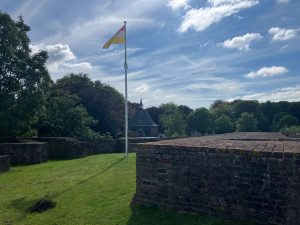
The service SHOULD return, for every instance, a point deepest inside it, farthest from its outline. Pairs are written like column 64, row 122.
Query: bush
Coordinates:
column 291, row 129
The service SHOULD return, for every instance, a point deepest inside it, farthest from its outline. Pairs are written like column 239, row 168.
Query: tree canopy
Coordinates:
column 102, row 102
column 65, row 117
column 223, row 116
column 24, row 80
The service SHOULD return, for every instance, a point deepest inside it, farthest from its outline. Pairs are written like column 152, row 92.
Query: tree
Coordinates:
column 172, row 120
column 286, row 121
column 220, row 107
column 223, row 124
column 24, row 80
column 185, row 110
column 201, row 120
column 174, row 124
column 65, row 117
column 102, row 102
column 247, row 122
column 241, row 106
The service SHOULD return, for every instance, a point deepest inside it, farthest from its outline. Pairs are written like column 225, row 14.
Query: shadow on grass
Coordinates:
column 154, row 216
column 87, row 179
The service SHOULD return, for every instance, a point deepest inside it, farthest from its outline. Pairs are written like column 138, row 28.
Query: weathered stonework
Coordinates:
column 253, row 177
column 4, row 163
column 71, row 148
column 63, row 148
column 25, row 153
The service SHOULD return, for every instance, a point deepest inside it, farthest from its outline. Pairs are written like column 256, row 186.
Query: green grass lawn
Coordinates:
column 93, row 190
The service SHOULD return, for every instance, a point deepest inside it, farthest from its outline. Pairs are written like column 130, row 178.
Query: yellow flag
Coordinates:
column 118, row 38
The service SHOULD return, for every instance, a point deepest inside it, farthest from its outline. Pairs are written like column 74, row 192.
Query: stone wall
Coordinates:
column 64, row 148
column 101, row 146
column 256, row 181
column 4, row 163
column 70, row 148
column 25, row 153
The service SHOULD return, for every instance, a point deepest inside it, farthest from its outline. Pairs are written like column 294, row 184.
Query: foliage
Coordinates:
column 241, row 106
column 219, row 108
column 223, row 124
column 246, row 123
column 286, row 121
column 24, row 80
column 172, row 120
column 292, row 129
column 201, row 120
column 65, row 117
column 185, row 110
column 267, row 115
column 101, row 101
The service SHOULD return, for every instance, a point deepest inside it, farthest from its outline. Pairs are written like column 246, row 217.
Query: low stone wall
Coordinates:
column 256, row 181
column 25, row 153
column 4, row 163
column 101, row 146
column 64, row 148
column 70, row 148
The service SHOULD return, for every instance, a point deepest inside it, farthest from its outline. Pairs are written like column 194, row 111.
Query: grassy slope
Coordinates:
column 93, row 190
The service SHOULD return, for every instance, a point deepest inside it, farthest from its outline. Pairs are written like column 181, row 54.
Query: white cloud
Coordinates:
column 221, row 2
column 178, row 4
column 291, row 94
column 142, row 89
column 202, row 18
column 229, row 86
column 283, row 1
column 281, row 34
column 242, row 42
column 268, row 72
column 61, row 57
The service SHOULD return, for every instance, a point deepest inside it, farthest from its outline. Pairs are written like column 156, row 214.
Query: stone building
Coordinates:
column 141, row 124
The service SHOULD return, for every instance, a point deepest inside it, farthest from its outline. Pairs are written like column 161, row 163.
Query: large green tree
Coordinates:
column 102, row 102
column 65, row 117
column 24, row 80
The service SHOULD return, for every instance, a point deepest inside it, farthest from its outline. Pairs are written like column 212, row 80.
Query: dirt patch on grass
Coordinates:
column 42, row 205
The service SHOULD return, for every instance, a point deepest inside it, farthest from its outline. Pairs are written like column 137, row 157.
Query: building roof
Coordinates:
column 141, row 118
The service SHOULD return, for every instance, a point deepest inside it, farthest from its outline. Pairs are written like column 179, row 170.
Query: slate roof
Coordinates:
column 141, row 118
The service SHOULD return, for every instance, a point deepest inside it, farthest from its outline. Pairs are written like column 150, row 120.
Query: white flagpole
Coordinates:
column 126, row 98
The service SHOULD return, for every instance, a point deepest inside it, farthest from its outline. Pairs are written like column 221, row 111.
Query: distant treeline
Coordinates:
column 32, row 104
column 223, row 117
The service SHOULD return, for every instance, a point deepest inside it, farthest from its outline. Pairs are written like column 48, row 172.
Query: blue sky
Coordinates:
column 185, row 51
